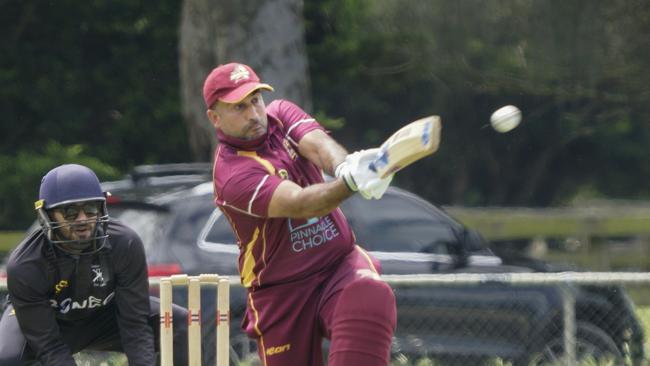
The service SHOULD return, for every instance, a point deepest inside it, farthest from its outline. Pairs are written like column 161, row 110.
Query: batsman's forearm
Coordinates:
column 333, row 155
column 320, row 199
column 322, row 150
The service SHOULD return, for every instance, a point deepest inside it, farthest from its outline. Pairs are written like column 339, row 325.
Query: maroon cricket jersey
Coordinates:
column 246, row 173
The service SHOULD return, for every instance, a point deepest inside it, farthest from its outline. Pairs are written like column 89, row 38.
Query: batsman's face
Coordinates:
column 245, row 120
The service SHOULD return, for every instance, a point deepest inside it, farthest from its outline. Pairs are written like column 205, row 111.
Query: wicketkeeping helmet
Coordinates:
column 70, row 184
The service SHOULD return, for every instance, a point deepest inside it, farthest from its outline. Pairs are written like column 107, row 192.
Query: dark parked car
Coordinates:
column 145, row 181
column 185, row 233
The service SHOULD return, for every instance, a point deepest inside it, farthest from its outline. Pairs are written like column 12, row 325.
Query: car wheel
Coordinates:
column 592, row 345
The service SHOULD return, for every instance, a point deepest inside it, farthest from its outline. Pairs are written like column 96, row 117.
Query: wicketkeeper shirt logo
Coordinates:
column 60, row 286
column 91, row 302
column 98, row 276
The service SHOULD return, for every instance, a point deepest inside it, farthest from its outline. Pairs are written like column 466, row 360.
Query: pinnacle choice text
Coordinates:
column 313, row 235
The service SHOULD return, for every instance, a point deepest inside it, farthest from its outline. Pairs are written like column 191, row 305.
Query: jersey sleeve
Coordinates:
column 28, row 291
column 132, row 299
column 250, row 191
column 297, row 123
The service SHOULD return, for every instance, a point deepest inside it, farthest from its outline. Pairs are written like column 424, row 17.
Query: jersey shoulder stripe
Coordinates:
column 253, row 155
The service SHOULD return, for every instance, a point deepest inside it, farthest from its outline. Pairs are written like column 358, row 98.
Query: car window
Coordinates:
column 190, row 217
column 220, row 230
column 149, row 224
column 399, row 224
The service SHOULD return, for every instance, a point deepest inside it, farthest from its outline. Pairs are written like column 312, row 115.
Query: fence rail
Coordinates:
column 577, row 278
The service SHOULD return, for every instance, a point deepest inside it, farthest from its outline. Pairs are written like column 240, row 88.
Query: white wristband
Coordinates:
column 343, row 171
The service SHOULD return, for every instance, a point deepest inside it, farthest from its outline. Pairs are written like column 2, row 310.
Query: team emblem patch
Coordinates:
column 239, row 73
column 283, row 173
column 287, row 146
column 60, row 286
column 98, row 276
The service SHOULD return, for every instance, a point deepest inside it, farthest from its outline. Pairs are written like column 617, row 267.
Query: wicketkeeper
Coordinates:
column 80, row 282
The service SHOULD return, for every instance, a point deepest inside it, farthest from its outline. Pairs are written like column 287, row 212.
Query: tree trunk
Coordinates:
column 267, row 35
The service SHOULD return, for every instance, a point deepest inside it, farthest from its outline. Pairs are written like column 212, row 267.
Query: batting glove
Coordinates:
column 375, row 188
column 357, row 175
column 354, row 169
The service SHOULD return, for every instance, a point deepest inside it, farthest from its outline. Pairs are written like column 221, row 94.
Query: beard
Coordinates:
column 79, row 246
column 77, row 238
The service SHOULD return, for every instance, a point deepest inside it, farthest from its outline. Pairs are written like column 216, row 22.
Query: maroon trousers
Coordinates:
column 349, row 305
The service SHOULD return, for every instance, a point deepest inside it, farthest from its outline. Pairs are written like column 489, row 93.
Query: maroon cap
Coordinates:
column 230, row 83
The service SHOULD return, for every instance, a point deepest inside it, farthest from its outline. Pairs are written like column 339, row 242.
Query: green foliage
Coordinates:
column 379, row 64
column 105, row 74
column 9, row 239
column 100, row 358
column 22, row 175
column 331, row 123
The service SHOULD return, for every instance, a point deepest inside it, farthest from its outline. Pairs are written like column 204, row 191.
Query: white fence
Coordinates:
column 567, row 318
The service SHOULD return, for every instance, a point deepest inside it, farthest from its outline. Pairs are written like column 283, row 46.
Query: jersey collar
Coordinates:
column 250, row 145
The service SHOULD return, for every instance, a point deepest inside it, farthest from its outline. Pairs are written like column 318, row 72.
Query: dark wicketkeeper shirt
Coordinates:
column 276, row 250
column 47, row 287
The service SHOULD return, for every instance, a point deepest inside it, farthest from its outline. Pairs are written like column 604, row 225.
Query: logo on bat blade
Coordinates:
column 426, row 136
column 381, row 160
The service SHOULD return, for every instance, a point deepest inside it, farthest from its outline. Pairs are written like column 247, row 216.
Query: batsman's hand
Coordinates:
column 375, row 188
column 357, row 175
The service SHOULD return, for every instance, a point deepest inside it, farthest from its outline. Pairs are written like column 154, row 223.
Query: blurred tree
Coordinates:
column 104, row 75
column 268, row 36
column 564, row 63
column 22, row 175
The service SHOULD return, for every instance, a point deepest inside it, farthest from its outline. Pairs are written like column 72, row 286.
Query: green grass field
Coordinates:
column 9, row 239
column 644, row 316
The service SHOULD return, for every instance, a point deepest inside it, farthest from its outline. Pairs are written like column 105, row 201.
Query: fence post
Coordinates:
column 568, row 305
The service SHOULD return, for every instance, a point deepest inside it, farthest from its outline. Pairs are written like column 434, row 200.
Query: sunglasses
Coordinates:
column 71, row 212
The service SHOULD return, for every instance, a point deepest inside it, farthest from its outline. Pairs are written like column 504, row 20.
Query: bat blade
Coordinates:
column 408, row 145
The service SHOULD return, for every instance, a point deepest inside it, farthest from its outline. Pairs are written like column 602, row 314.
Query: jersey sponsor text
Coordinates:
column 306, row 237
column 67, row 304
column 279, row 349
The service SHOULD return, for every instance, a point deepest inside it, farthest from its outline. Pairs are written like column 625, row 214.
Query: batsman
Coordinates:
column 307, row 278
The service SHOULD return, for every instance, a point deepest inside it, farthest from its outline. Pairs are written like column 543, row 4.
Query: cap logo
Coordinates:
column 239, row 73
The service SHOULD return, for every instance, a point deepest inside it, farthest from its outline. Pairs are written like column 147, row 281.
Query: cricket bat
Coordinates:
column 408, row 145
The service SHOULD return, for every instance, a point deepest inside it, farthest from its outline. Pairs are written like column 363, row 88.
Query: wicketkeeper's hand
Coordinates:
column 357, row 175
